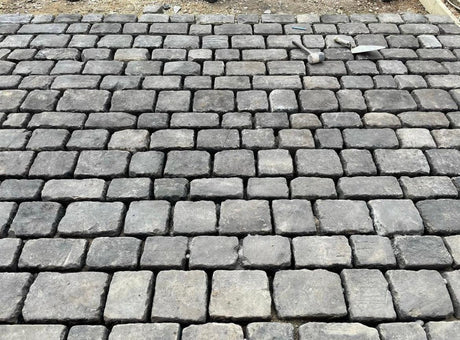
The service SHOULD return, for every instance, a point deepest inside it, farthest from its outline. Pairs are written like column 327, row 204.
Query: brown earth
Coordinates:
column 221, row 6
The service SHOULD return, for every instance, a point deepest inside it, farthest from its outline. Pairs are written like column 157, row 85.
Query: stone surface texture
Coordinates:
column 194, row 177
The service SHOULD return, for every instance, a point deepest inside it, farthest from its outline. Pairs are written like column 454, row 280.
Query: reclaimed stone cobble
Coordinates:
column 194, row 177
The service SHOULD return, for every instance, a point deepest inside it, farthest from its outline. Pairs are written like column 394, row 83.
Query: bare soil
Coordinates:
column 221, row 6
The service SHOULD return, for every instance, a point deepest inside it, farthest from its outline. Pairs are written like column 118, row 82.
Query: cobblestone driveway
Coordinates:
column 192, row 178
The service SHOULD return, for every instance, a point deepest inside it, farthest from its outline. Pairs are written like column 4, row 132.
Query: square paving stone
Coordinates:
column 393, row 217
column 308, row 294
column 53, row 164
column 327, row 163
column 53, row 254
column 75, row 297
column 147, row 218
column 371, row 251
column 129, row 297
column 151, row 331
column 238, row 217
column 419, row 294
column 149, row 164
column 10, row 100
column 270, row 330
column 223, row 331
column 163, row 252
column 401, row 162
column 274, row 163
column 52, row 332
column 240, row 295
column 88, row 332
column 36, row 219
column 407, row 330
column 187, row 164
column 193, row 218
column 425, row 252
column 266, row 252
column 9, row 252
column 343, row 217
column 293, row 217
column 321, row 252
column 440, row 216
column 14, row 290
column 102, row 163
column 358, row 162
column 210, row 252
column 368, row 296
column 239, row 163
column 92, row 219
column 113, row 252
column 336, row 331
column 180, row 296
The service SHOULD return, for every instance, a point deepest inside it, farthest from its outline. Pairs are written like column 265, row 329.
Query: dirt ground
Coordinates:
column 221, row 6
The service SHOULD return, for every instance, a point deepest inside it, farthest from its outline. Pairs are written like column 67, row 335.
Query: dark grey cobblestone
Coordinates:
column 194, row 177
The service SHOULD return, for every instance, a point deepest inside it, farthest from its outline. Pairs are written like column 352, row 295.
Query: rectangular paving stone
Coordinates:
column 211, row 252
column 216, row 188
column 266, row 252
column 213, row 329
column 128, row 297
column 321, row 252
column 92, row 219
column 293, row 217
column 73, row 189
column 318, row 294
column 144, row 331
column 368, row 295
column 361, row 187
column 312, row 188
column 53, row 254
column 20, row 189
column 66, row 297
column 428, row 187
column 147, row 218
column 336, row 331
column 79, row 332
column 9, row 252
column 112, row 163
column 411, row 330
column 396, row 217
column 113, row 253
column 23, row 332
column 180, row 296
column 239, row 295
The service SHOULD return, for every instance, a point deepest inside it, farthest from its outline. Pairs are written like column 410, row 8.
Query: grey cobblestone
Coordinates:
column 139, row 152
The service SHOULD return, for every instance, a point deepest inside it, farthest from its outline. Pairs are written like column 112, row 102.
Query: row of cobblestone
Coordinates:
column 235, row 295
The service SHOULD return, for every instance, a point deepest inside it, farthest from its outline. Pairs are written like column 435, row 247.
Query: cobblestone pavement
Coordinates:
column 192, row 178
